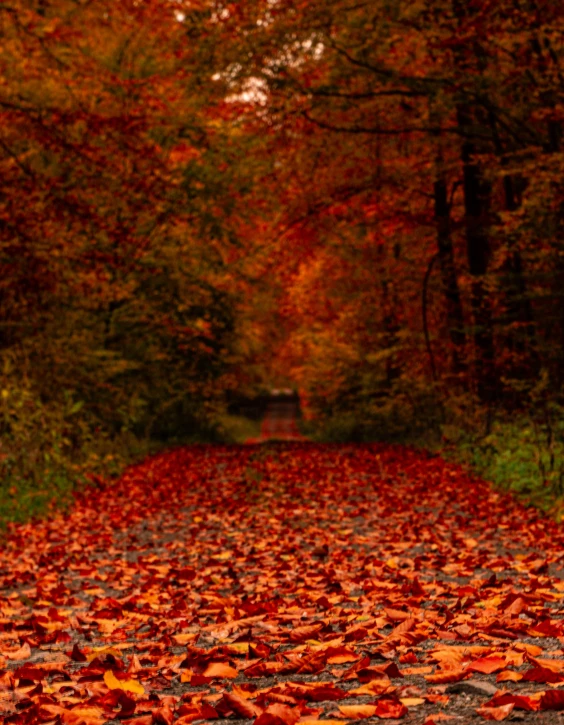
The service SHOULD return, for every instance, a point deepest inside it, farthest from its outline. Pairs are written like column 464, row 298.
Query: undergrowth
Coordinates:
column 521, row 451
column 51, row 450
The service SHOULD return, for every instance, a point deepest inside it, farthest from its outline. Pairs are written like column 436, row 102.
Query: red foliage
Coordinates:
column 276, row 584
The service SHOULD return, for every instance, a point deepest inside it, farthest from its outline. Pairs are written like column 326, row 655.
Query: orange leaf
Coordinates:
column 487, row 665
column 509, row 676
column 220, row 670
column 287, row 714
column 496, row 713
column 126, row 685
column 23, row 653
column 423, row 670
column 300, row 634
column 241, row 706
column 443, row 676
column 357, row 712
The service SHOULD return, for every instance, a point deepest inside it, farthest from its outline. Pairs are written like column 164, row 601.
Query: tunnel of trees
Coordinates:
column 199, row 200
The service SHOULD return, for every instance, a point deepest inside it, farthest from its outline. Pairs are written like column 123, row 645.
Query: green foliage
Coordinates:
column 521, row 453
column 237, row 428
column 404, row 412
column 53, row 443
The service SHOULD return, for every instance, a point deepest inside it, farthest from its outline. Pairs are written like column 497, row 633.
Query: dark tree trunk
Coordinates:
column 451, row 290
column 477, row 199
column 519, row 338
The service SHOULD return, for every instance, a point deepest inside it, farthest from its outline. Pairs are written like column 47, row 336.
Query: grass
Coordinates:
column 33, row 486
column 521, row 456
column 237, row 428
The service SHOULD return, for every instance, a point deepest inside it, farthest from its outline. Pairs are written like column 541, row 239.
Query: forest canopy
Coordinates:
column 361, row 200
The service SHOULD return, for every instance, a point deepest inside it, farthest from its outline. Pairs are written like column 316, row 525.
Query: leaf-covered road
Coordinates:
column 281, row 583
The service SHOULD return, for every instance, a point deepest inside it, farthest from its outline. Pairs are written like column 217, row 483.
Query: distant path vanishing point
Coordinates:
column 280, row 421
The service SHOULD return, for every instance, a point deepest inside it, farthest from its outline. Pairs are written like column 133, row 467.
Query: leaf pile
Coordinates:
column 284, row 584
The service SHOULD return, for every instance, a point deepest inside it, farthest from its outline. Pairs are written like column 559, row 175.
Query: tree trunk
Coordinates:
column 451, row 290
column 477, row 198
column 520, row 338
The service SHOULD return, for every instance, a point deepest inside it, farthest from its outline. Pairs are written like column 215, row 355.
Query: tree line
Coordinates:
column 364, row 198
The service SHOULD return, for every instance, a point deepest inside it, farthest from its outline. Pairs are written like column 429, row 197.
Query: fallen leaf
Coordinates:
column 496, row 713
column 126, row 685
column 358, row 712
column 220, row 670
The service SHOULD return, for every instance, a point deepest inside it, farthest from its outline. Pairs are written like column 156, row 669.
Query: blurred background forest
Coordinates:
column 200, row 200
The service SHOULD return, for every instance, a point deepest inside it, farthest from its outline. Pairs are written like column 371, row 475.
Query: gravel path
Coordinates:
column 280, row 583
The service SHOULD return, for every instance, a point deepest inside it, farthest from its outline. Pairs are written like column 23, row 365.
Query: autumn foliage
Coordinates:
column 280, row 585
column 200, row 199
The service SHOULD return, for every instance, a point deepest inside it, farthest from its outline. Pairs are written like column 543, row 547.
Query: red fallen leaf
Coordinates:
column 375, row 673
column 320, row 693
column 259, row 650
column 141, row 720
column 83, row 715
column 356, row 634
column 517, row 606
column 163, row 716
column 203, row 711
column 552, row 700
column 199, row 680
column 185, row 575
column 241, row 706
column 313, row 663
column 269, row 719
column 284, row 699
column 542, row 674
column 496, row 713
column 77, row 655
column 350, row 673
column 521, row 702
column 417, row 589
column 28, row 672
column 300, row 634
column 389, row 707
column 287, row 714
column 135, row 665
column 263, row 669
column 487, row 665
column 127, row 705
column 546, row 629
